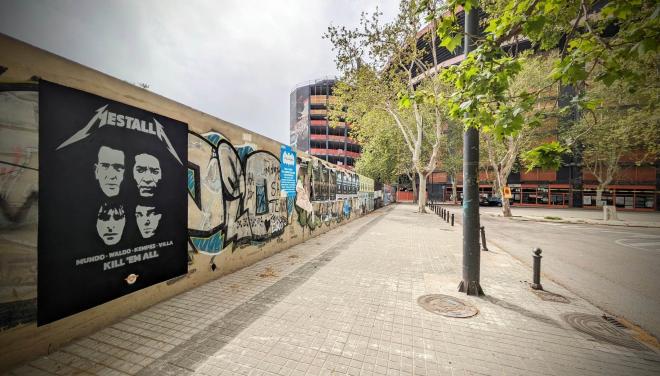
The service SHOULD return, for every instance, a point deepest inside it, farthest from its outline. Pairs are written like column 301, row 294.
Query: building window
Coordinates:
column 589, row 198
column 644, row 200
column 559, row 196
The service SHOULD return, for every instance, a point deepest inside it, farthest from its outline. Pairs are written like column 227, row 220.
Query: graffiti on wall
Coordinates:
column 19, row 164
column 233, row 194
column 324, row 195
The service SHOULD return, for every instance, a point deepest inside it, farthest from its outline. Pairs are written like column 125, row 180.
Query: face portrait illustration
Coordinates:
column 109, row 170
column 147, row 174
column 110, row 222
column 147, row 219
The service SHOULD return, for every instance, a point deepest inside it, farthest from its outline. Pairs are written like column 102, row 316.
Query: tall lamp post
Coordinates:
column 471, row 252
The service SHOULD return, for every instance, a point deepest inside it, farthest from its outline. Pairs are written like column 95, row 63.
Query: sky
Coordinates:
column 237, row 60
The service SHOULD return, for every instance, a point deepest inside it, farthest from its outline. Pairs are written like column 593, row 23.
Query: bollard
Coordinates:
column 452, row 219
column 537, row 270
column 484, row 247
column 444, row 213
column 447, row 216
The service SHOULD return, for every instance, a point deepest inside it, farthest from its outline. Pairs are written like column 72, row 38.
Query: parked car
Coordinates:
column 490, row 201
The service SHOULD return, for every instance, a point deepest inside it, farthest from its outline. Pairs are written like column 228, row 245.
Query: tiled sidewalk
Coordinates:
column 346, row 303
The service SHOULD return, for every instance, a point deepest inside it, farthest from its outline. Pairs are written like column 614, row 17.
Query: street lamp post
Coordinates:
column 471, row 253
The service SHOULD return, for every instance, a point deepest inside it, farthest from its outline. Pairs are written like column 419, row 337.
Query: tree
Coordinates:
column 380, row 66
column 594, row 44
column 384, row 155
column 451, row 156
column 622, row 126
column 504, row 149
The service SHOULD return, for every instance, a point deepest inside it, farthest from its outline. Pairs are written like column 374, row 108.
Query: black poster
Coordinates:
column 112, row 200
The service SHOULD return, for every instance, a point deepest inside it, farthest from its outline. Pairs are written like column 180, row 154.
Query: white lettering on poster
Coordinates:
column 119, row 258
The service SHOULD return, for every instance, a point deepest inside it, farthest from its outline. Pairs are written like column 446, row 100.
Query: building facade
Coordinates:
column 310, row 130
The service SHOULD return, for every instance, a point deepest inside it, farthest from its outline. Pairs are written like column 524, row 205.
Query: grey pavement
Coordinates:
column 346, row 303
column 615, row 268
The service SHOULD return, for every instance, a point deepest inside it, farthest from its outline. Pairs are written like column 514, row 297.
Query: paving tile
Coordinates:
column 348, row 305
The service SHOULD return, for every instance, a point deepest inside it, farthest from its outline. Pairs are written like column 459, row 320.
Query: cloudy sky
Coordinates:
column 237, row 60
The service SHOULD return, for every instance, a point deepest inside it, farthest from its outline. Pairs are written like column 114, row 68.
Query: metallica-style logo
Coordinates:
column 288, row 158
column 104, row 117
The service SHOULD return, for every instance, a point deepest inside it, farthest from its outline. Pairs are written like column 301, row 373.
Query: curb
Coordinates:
column 587, row 221
column 581, row 221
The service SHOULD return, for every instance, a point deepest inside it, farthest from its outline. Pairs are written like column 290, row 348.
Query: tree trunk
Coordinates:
column 502, row 177
column 414, row 186
column 506, row 207
column 454, row 190
column 599, row 195
column 422, row 194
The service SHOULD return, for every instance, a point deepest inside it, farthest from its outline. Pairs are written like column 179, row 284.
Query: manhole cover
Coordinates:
column 550, row 296
column 446, row 305
column 601, row 330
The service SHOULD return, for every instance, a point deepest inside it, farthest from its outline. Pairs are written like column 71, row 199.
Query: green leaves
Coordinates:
column 404, row 100
column 569, row 70
column 451, row 43
column 470, row 4
column 547, row 156
column 419, row 96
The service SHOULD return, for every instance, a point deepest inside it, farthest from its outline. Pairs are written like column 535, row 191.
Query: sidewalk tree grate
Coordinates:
column 551, row 296
column 602, row 330
column 446, row 305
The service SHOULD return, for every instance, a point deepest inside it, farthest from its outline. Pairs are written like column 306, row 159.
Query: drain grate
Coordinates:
column 602, row 329
column 446, row 305
column 550, row 296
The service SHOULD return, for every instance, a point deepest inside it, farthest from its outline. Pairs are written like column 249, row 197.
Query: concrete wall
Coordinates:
column 226, row 229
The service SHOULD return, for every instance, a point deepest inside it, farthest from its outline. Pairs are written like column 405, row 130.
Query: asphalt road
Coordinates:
column 615, row 268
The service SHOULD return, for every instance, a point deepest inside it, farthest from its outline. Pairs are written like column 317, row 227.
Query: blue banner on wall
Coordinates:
column 288, row 170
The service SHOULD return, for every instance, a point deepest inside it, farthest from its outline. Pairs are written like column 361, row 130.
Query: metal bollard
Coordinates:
column 452, row 219
column 447, row 216
column 484, row 247
column 536, row 285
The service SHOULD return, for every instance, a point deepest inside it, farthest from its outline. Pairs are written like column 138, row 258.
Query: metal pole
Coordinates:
column 471, row 253
column 537, row 269
column 452, row 219
column 483, row 238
